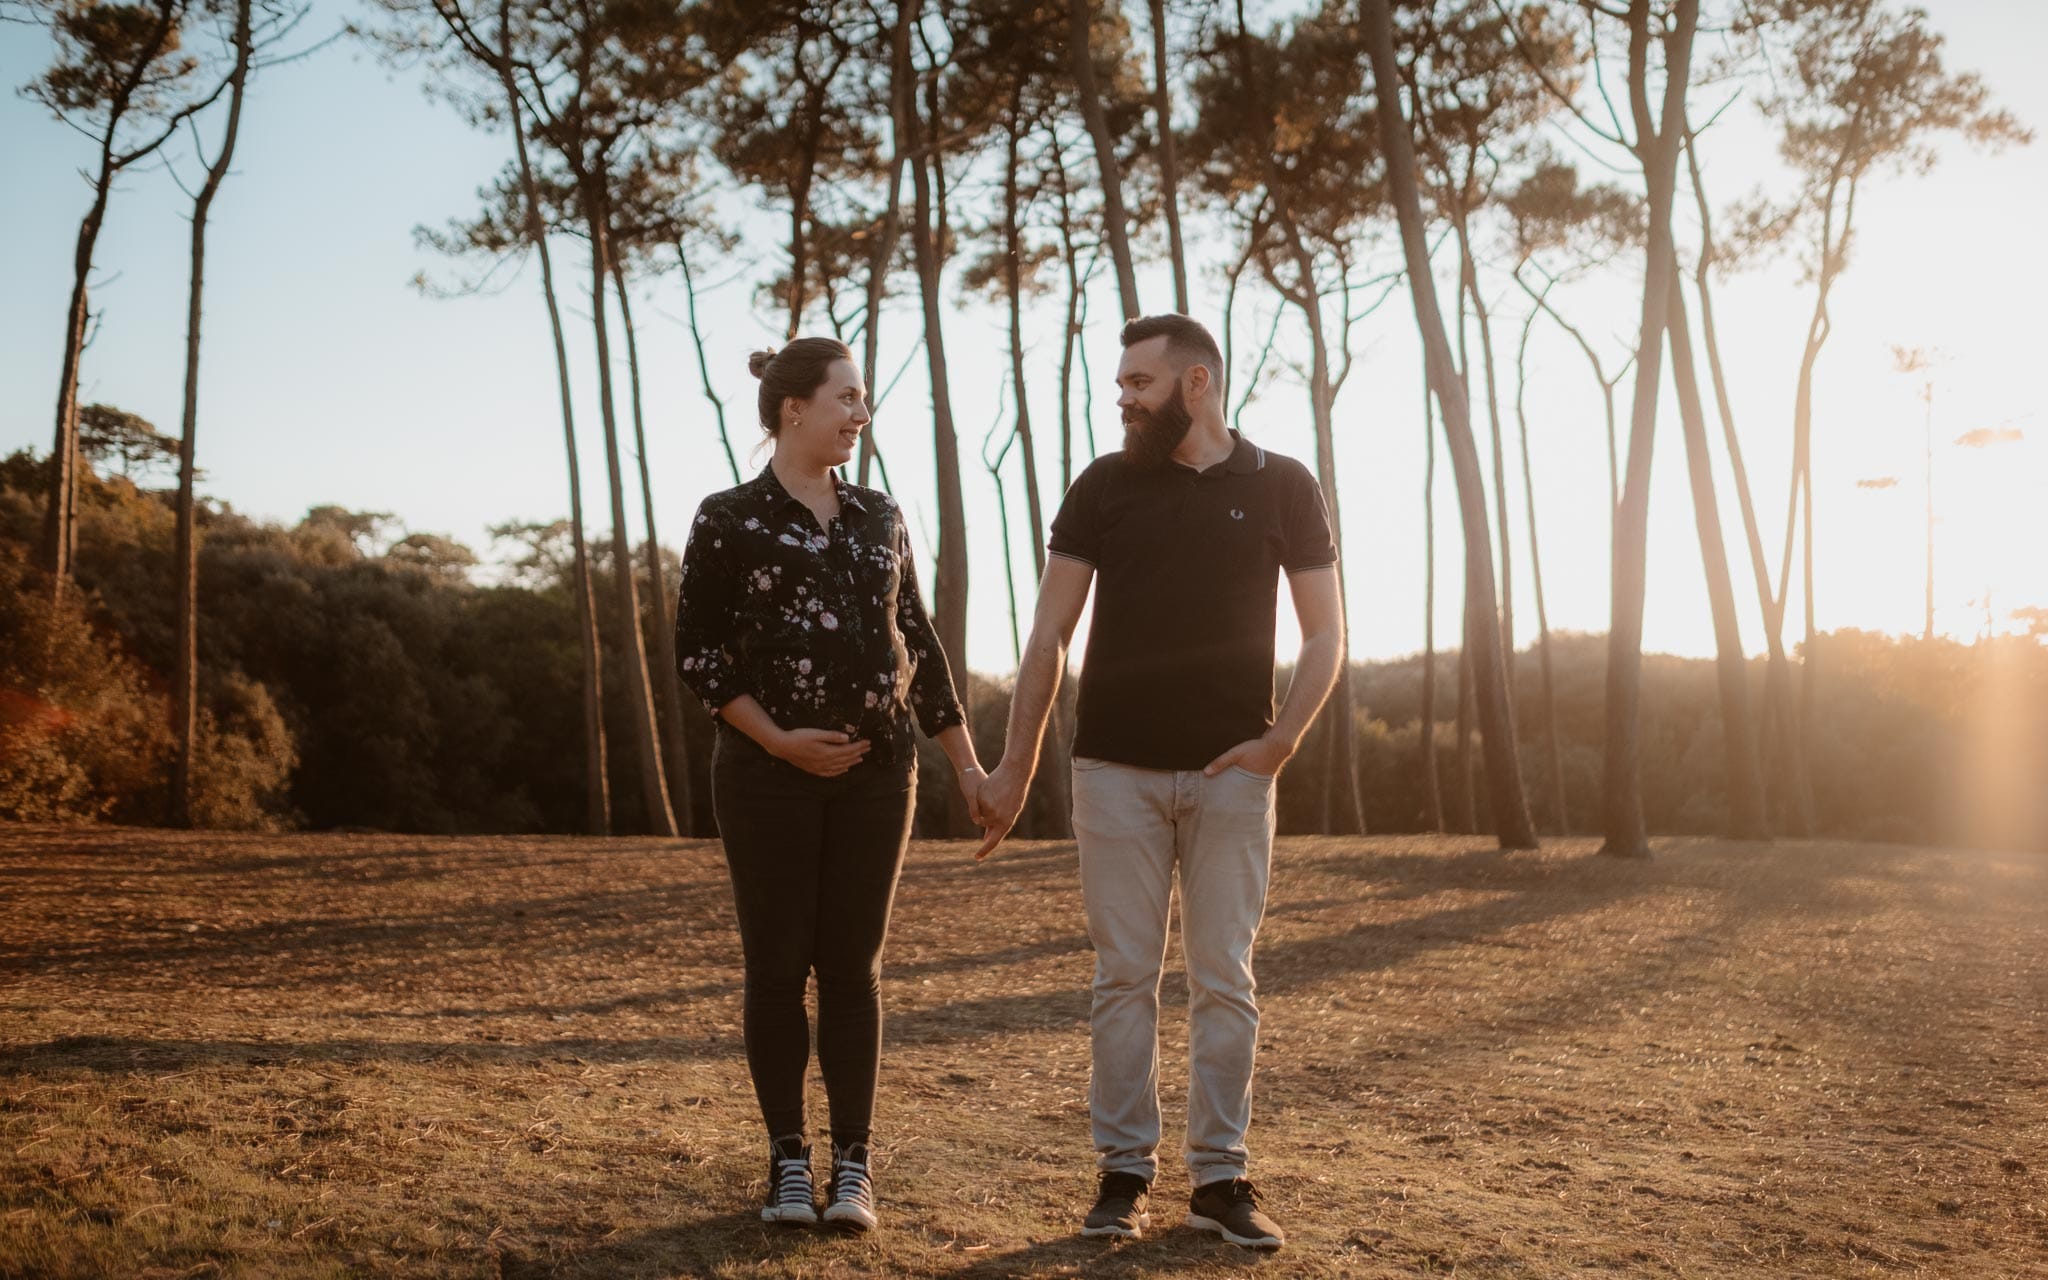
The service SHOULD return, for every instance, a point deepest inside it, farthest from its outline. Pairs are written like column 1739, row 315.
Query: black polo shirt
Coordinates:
column 1179, row 664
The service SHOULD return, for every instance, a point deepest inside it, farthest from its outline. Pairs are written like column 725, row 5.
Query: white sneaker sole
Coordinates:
column 850, row 1217
column 799, row 1215
column 1121, row 1233
column 1200, row 1223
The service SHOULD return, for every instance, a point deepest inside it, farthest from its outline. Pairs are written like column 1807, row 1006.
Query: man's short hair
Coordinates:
column 1188, row 342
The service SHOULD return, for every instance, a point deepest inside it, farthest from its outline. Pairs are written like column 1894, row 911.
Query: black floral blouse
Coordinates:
column 823, row 627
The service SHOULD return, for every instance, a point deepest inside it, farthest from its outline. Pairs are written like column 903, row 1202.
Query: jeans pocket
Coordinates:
column 1088, row 764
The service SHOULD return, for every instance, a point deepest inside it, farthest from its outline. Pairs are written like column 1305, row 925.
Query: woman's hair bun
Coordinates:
column 757, row 363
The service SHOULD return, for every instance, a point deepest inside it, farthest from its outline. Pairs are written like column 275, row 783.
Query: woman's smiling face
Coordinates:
column 825, row 429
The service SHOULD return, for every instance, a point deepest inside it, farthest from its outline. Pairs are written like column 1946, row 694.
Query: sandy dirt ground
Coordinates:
column 352, row 1055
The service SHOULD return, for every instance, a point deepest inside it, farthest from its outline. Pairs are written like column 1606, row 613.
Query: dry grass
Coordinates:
column 357, row 1055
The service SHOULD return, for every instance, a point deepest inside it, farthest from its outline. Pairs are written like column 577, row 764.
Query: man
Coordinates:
column 1176, row 750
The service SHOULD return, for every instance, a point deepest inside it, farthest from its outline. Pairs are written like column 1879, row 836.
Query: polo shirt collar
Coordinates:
column 1245, row 458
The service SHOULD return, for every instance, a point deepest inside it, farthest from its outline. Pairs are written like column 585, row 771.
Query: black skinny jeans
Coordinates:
column 814, row 864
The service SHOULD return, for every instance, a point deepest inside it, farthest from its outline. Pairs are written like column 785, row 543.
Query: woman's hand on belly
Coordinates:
column 824, row 752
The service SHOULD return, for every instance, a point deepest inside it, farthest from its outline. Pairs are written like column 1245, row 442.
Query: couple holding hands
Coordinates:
column 800, row 626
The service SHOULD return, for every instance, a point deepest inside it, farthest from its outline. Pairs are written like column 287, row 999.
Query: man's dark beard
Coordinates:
column 1151, row 435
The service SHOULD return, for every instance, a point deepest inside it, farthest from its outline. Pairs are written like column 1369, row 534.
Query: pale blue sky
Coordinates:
column 328, row 378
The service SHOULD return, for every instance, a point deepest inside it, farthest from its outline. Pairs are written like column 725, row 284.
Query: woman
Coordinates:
column 800, row 627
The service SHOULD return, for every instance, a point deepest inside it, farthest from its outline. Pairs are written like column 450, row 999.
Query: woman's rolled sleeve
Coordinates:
column 707, row 645
column 932, row 698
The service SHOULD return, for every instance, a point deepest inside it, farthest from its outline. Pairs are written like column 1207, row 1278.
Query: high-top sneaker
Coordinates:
column 851, row 1202
column 791, row 1198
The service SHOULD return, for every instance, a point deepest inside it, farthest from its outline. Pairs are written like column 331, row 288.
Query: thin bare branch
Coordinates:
column 1564, row 99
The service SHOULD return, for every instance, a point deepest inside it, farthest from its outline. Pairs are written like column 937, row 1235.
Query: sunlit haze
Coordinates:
column 329, row 378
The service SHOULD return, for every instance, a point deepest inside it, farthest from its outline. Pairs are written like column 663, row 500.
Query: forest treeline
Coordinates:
column 1289, row 169
column 362, row 680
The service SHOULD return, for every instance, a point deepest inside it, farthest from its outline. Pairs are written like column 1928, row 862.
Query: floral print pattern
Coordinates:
column 824, row 627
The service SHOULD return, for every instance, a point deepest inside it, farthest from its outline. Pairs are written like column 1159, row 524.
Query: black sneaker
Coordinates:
column 852, row 1205
column 791, row 1197
column 1119, row 1207
column 1230, row 1208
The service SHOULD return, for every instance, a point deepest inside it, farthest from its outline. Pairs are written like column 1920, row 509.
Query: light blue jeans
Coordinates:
column 1136, row 828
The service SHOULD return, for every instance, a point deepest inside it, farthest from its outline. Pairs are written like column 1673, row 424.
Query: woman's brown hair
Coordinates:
column 796, row 372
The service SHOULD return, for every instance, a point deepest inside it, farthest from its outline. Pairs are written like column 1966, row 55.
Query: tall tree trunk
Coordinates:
column 949, row 591
column 1469, row 273
column 1799, row 507
column 59, row 537
column 1013, row 256
column 1169, row 160
column 1626, row 835
column 799, row 250
column 597, row 800
column 639, row 694
column 1341, row 760
column 1832, row 258
column 668, row 684
column 995, row 474
column 1504, row 790
column 1056, row 777
column 59, row 548
column 1432, row 793
column 1070, row 259
column 1081, row 354
column 1349, row 816
column 1115, row 221
column 1065, row 704
column 1343, row 806
column 938, row 372
column 882, row 254
column 1228, row 333
column 1785, row 791
column 1560, row 816
column 704, row 372
column 1745, row 782
column 1465, row 786
column 806, row 161
column 1809, row 666
column 185, row 684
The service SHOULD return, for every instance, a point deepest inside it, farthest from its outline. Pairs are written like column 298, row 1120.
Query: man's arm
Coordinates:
column 1061, row 593
column 1320, row 609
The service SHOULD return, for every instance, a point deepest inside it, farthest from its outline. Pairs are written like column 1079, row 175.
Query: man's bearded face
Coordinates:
column 1151, row 435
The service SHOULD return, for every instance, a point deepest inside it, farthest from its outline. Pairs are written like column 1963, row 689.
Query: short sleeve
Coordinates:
column 1310, row 543
column 1077, row 526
